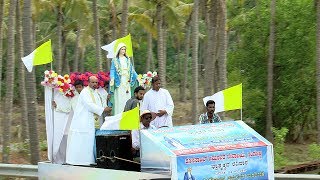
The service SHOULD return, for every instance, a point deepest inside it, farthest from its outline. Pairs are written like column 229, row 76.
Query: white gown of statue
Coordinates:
column 120, row 94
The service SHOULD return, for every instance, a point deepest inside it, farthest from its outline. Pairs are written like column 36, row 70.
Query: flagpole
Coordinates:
column 52, row 108
column 241, row 104
column 132, row 61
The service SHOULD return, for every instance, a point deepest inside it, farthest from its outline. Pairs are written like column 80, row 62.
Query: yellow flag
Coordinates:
column 41, row 55
column 130, row 119
column 112, row 47
column 228, row 99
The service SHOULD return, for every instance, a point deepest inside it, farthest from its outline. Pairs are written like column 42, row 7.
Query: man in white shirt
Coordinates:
column 159, row 100
column 145, row 118
column 82, row 132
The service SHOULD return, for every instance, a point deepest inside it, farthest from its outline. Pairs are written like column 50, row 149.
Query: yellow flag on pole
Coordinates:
column 112, row 47
column 129, row 120
column 228, row 99
column 41, row 55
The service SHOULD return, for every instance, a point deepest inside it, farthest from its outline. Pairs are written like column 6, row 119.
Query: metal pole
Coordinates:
column 52, row 99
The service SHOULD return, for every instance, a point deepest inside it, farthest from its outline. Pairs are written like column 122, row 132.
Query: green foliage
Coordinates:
column 294, row 64
column 20, row 147
column 279, row 139
column 43, row 145
column 314, row 151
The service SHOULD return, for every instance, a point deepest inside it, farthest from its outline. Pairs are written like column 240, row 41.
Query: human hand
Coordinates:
column 133, row 151
column 107, row 109
column 161, row 113
column 54, row 104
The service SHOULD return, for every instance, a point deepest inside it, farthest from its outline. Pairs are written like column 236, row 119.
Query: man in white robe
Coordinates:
column 159, row 100
column 80, row 149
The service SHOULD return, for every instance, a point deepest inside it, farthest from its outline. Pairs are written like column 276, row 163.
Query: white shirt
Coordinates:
column 136, row 136
column 159, row 100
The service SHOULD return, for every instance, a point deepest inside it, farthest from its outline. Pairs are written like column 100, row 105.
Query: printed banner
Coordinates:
column 208, row 137
column 251, row 163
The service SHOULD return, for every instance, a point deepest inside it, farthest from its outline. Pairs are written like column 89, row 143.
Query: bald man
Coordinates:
column 82, row 131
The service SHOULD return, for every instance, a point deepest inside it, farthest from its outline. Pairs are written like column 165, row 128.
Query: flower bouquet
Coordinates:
column 58, row 82
column 145, row 79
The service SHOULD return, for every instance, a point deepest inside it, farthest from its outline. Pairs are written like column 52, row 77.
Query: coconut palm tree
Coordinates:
column 79, row 12
column 269, row 125
column 22, row 70
column 222, row 41
column 124, row 18
column 149, row 53
column 210, row 43
column 6, row 123
column 318, row 68
column 30, row 84
column 60, row 34
column 97, row 34
column 185, row 63
column 195, row 73
column 1, row 43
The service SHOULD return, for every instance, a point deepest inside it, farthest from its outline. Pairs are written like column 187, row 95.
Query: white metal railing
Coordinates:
column 24, row 170
column 19, row 170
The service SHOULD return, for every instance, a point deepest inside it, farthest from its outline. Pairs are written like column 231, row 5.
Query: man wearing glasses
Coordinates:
column 145, row 118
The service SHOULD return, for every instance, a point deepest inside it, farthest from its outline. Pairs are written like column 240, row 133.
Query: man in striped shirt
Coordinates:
column 209, row 116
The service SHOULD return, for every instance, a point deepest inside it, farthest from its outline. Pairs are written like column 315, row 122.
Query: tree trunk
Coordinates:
column 22, row 70
column 1, row 49
column 6, row 122
column 66, row 65
column 97, row 35
column 222, row 62
column 318, row 68
column 214, row 18
column 59, row 35
column 215, row 78
column 82, row 59
column 195, row 42
column 160, row 46
column 30, row 84
column 75, row 67
column 124, row 18
column 113, row 20
column 186, row 64
column 150, row 55
column 210, row 52
column 180, row 69
column 269, row 122
column 164, row 47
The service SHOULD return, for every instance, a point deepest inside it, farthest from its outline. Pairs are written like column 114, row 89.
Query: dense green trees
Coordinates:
column 294, row 63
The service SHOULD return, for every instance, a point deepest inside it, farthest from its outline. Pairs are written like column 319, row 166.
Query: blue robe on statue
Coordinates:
column 123, row 80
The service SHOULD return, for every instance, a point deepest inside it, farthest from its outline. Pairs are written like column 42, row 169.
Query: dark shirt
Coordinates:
column 131, row 103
